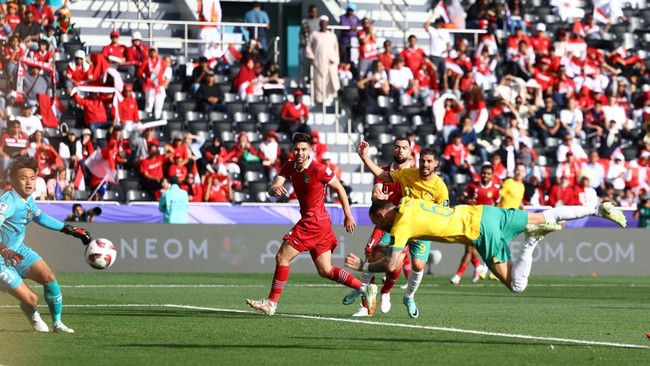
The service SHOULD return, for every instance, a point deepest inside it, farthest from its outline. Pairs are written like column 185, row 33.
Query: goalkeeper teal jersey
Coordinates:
column 16, row 213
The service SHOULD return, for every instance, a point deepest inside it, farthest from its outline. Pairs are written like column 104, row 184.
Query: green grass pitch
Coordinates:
column 201, row 319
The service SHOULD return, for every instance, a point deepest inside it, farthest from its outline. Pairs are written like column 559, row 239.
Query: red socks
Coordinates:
column 475, row 262
column 344, row 278
column 406, row 266
column 461, row 269
column 391, row 278
column 279, row 280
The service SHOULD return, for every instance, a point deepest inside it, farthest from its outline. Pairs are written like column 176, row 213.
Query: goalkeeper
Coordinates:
column 18, row 261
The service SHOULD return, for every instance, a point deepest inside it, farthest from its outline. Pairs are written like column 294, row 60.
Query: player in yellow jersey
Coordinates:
column 488, row 229
column 422, row 183
column 512, row 189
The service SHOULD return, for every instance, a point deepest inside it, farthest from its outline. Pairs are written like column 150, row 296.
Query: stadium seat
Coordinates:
column 224, row 88
column 112, row 195
column 185, row 106
column 239, row 197
column 198, row 126
column 236, row 107
column 267, row 127
column 247, row 126
column 170, row 115
column 257, row 186
column 218, row 117
column 230, row 98
column 276, row 98
column 136, row 196
column 51, row 132
column 219, row 127
column 81, row 195
column 372, row 119
column 194, row 117
column 241, row 116
column 129, row 184
column 173, row 126
column 252, row 176
column 179, row 96
column 385, row 138
column 400, row 130
column 258, row 107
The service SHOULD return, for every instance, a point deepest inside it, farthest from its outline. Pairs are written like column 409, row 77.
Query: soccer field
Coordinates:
column 200, row 319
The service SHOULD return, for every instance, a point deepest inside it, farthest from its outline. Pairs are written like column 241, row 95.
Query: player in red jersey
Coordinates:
column 483, row 192
column 313, row 232
column 375, row 248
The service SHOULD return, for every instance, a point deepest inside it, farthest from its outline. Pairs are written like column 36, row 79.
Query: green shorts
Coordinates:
column 498, row 227
column 417, row 248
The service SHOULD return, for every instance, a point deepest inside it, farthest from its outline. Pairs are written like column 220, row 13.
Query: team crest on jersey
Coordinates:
column 3, row 208
column 29, row 214
column 489, row 194
column 306, row 178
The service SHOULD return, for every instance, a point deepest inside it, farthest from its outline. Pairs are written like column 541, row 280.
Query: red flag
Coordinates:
column 577, row 28
column 600, row 16
column 47, row 114
column 232, row 54
column 79, row 181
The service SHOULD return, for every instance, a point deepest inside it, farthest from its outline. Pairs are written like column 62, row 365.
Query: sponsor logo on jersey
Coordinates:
column 3, row 208
column 306, row 178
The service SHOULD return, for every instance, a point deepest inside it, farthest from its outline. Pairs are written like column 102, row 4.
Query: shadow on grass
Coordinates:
column 250, row 346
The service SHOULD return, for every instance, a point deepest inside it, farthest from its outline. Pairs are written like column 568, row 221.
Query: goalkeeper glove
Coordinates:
column 11, row 258
column 78, row 233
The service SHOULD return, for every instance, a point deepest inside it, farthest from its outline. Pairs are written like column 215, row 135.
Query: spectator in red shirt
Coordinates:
column 244, row 153
column 387, row 57
column 176, row 168
column 450, row 120
column 540, row 40
column 14, row 51
column 115, row 52
column 95, row 116
column 544, row 76
column 515, row 40
column 217, row 188
column 294, row 116
column 413, row 55
column 43, row 14
column 563, row 194
column 78, row 71
column 48, row 161
column 317, row 147
column 193, row 188
column 127, row 110
column 87, row 147
column 13, row 143
column 138, row 53
column 456, row 155
column 43, row 54
column 13, row 19
column 151, row 170
column 367, row 47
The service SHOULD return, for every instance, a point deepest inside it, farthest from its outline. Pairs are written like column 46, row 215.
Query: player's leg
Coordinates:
column 376, row 237
column 566, row 213
column 323, row 262
column 462, row 267
column 280, row 277
column 41, row 273
column 391, row 279
column 502, row 272
column 419, row 251
column 12, row 283
column 480, row 271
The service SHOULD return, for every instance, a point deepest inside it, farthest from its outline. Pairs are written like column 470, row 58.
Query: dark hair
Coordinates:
column 487, row 167
column 301, row 137
column 22, row 163
column 379, row 205
column 312, row 6
column 74, row 207
column 428, row 151
column 173, row 180
column 412, row 36
column 401, row 138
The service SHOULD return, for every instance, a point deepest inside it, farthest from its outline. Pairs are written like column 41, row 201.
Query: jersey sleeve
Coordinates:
column 398, row 238
column 6, row 211
column 443, row 195
column 397, row 175
column 325, row 174
column 285, row 171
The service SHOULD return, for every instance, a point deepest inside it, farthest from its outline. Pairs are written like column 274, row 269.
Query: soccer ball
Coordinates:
column 435, row 257
column 100, row 253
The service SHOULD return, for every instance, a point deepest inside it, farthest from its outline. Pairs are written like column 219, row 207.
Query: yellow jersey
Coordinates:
column 413, row 186
column 512, row 194
column 424, row 220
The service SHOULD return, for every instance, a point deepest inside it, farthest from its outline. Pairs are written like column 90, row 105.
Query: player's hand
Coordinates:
column 78, row 233
column 378, row 194
column 11, row 258
column 349, row 224
column 277, row 191
column 362, row 148
column 352, row 261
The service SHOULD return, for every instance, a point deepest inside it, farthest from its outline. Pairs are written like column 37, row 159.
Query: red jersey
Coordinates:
column 393, row 189
column 177, row 170
column 413, row 58
column 290, row 112
column 43, row 56
column 458, row 152
column 386, row 59
column 482, row 195
column 13, row 21
column 94, row 109
column 12, row 145
column 195, row 192
column 41, row 14
column 367, row 48
column 540, row 44
column 153, row 166
column 309, row 185
column 78, row 74
column 128, row 110
column 218, row 191
column 115, row 50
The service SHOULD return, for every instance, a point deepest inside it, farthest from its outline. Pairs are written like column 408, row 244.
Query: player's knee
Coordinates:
column 393, row 268
column 324, row 272
column 30, row 300
column 518, row 286
column 418, row 265
column 48, row 278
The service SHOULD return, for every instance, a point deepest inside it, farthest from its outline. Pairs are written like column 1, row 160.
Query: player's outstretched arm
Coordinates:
column 348, row 222
column 277, row 187
column 376, row 170
column 77, row 232
column 11, row 258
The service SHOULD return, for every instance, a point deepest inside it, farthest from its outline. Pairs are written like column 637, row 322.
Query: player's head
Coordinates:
column 77, row 209
column 301, row 147
column 520, row 172
column 382, row 213
column 174, row 180
column 401, row 150
column 487, row 171
column 428, row 162
column 23, row 176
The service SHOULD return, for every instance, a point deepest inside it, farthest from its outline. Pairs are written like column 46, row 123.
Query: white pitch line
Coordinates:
column 427, row 327
column 99, row 306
